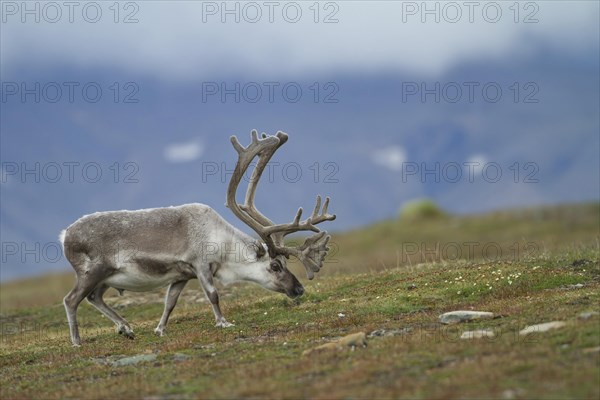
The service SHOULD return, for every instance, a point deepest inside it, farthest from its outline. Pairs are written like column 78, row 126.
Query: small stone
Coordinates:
column 574, row 287
column 478, row 334
column 389, row 332
column 591, row 350
column 587, row 314
column 542, row 327
column 353, row 340
column 455, row 317
column 579, row 263
column 204, row 346
column 180, row 357
column 135, row 360
column 577, row 286
column 125, row 361
column 377, row 333
column 513, row 393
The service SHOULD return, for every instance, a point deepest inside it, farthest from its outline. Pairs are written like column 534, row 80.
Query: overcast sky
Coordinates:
column 189, row 41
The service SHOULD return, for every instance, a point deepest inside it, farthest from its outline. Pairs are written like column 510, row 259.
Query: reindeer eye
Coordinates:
column 276, row 266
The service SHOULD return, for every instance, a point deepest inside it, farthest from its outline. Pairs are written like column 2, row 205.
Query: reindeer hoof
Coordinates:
column 224, row 324
column 126, row 331
column 159, row 332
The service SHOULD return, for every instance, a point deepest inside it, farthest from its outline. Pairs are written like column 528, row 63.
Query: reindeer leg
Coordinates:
column 84, row 285
column 95, row 299
column 170, row 300
column 206, row 281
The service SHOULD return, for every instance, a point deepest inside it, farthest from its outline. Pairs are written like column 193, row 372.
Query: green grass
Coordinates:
column 261, row 355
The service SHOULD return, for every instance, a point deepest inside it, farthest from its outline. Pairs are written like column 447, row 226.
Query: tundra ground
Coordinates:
column 374, row 282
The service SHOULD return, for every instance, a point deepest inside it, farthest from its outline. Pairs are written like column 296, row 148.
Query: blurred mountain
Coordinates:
column 362, row 149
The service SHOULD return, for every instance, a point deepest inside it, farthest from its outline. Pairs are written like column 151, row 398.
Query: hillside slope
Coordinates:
column 409, row 353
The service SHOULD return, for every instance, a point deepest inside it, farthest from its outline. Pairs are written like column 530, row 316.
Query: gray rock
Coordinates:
column 590, row 350
column 180, row 357
column 587, row 314
column 577, row 286
column 542, row 327
column 204, row 346
column 454, row 317
column 574, row 287
column 510, row 394
column 478, row 334
column 352, row 341
column 388, row 332
column 134, row 360
column 118, row 361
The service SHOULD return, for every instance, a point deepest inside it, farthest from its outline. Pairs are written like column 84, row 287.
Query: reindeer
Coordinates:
column 148, row 249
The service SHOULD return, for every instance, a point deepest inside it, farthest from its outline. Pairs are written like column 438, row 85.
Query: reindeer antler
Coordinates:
column 312, row 253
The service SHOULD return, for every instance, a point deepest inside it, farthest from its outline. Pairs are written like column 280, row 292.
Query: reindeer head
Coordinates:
column 314, row 249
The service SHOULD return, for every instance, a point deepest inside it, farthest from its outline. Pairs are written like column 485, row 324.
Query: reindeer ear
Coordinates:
column 260, row 250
